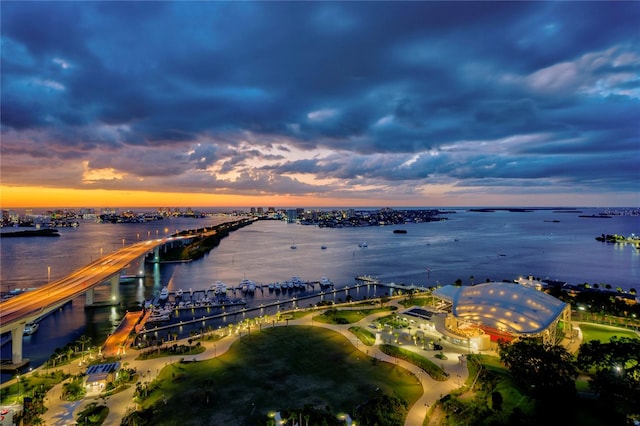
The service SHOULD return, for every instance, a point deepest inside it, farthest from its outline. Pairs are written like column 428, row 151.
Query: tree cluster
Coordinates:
column 543, row 371
column 615, row 366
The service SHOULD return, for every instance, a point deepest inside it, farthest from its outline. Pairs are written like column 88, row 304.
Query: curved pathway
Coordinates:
column 60, row 413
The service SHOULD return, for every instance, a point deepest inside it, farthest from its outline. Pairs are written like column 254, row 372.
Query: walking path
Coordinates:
column 62, row 413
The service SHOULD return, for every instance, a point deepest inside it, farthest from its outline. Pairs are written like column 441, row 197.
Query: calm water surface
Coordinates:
column 499, row 245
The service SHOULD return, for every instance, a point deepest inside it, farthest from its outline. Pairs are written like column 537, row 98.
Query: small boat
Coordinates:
column 363, row 244
column 247, row 285
column 399, row 231
column 30, row 328
column 219, row 287
column 323, row 247
column 293, row 245
column 161, row 311
column 158, row 318
column 179, row 292
column 164, row 293
column 325, row 282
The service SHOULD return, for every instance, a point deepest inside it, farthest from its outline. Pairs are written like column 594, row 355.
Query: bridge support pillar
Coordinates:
column 140, row 273
column 115, row 289
column 16, row 345
column 89, row 297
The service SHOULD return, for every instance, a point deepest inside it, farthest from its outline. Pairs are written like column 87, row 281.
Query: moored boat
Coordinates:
column 325, row 282
column 158, row 318
column 30, row 328
column 219, row 288
column 164, row 293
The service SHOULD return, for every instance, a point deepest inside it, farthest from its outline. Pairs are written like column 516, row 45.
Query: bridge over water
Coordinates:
column 27, row 307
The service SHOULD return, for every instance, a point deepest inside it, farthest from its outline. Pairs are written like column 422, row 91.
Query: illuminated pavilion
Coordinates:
column 504, row 311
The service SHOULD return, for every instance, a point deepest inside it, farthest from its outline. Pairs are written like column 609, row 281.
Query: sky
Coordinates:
column 294, row 104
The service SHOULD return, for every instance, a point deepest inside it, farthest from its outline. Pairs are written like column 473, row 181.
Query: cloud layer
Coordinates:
column 417, row 103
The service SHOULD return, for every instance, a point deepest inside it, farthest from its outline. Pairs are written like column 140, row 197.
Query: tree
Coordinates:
column 546, row 371
column 617, row 365
column 84, row 340
column 496, row 401
column 383, row 410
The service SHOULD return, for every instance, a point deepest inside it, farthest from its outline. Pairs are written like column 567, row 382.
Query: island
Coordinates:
column 615, row 238
column 47, row 232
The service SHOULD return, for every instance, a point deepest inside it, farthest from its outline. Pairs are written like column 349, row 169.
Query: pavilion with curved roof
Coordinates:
column 506, row 310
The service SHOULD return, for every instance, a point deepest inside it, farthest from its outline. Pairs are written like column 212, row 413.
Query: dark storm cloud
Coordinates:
column 415, row 92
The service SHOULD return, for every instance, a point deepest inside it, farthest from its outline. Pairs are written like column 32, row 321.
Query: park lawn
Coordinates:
column 167, row 351
column 276, row 369
column 364, row 335
column 426, row 364
column 297, row 314
column 418, row 301
column 31, row 383
column 604, row 333
column 93, row 414
column 346, row 316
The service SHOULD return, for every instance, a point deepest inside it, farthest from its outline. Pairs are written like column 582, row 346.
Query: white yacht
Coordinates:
column 325, row 282
column 164, row 293
column 219, row 288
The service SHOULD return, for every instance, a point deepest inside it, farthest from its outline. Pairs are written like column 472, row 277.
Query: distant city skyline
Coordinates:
column 323, row 104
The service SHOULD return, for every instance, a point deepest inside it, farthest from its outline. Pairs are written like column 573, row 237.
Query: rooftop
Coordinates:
column 510, row 307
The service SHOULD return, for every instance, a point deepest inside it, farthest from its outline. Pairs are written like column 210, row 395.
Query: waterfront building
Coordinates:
column 98, row 376
column 504, row 311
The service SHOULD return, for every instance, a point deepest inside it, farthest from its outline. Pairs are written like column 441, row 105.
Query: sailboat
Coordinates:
column 293, row 245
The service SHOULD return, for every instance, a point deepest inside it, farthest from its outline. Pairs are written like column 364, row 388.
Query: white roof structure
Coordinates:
column 513, row 308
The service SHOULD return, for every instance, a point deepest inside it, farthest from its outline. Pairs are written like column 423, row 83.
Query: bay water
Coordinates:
column 470, row 246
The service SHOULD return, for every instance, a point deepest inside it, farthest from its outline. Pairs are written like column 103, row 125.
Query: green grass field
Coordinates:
column 603, row 332
column 276, row 369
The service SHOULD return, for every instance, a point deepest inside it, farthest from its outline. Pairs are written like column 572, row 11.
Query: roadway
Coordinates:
column 17, row 311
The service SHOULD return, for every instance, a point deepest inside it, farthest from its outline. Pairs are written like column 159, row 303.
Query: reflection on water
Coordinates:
column 470, row 246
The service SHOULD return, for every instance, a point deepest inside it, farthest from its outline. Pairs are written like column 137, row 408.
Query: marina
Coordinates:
column 261, row 309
